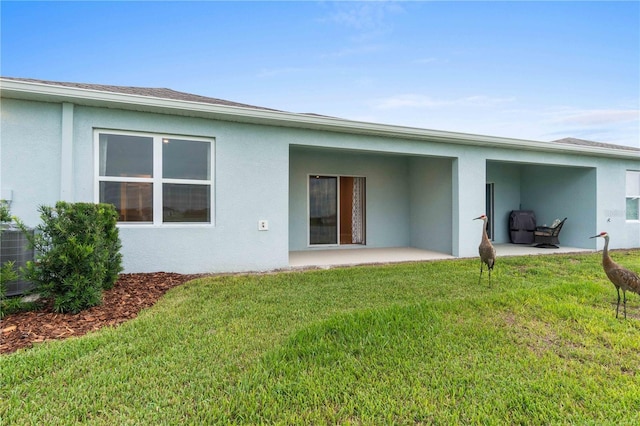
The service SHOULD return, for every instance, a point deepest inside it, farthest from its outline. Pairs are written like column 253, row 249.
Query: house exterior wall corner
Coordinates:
column 469, row 171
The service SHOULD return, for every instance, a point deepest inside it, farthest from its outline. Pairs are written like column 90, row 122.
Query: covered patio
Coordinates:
column 362, row 256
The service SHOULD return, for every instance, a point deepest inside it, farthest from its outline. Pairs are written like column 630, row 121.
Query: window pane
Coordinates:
column 632, row 209
column 323, row 210
column 133, row 200
column 186, row 203
column 183, row 159
column 123, row 155
column 633, row 184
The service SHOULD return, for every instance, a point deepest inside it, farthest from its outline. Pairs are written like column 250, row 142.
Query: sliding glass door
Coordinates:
column 323, row 210
column 336, row 210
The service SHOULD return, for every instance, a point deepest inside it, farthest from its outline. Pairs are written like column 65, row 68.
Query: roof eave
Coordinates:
column 82, row 96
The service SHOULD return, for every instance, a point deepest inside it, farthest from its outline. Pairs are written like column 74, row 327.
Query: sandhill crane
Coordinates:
column 486, row 250
column 620, row 277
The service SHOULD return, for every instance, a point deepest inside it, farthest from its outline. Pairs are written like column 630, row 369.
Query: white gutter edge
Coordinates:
column 289, row 119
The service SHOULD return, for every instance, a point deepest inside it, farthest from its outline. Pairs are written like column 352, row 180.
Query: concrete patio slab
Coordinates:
column 361, row 256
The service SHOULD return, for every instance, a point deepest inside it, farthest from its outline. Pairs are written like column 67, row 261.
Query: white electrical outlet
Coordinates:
column 263, row 225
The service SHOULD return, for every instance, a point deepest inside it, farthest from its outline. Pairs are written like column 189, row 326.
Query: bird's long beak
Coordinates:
column 595, row 236
column 476, row 218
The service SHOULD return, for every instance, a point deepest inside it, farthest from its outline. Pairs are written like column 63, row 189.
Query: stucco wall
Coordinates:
column 431, row 203
column 589, row 191
column 419, row 193
column 611, row 205
column 251, row 183
column 558, row 192
column 30, row 155
column 506, row 179
column 387, row 200
column 469, row 188
column 409, row 199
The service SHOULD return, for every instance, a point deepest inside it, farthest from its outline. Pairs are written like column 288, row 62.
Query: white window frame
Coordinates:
column 157, row 180
column 632, row 196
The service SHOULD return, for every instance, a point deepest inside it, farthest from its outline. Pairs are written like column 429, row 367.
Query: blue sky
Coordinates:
column 532, row 70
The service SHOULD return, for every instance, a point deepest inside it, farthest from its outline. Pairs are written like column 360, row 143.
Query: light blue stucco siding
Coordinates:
column 30, row 155
column 588, row 190
column 557, row 192
column 611, row 205
column 387, row 193
column 413, row 195
column 506, row 179
column 431, row 203
column 250, row 184
column 469, row 201
column 420, row 193
column 551, row 192
column 408, row 198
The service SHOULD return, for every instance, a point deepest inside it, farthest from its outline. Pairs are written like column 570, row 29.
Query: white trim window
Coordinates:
column 155, row 179
column 633, row 195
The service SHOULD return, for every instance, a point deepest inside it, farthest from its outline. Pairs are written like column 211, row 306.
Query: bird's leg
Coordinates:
column 480, row 277
column 489, row 276
column 618, row 305
column 624, row 297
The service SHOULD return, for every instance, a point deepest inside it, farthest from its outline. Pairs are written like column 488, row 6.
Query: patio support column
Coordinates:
column 66, row 154
column 469, row 179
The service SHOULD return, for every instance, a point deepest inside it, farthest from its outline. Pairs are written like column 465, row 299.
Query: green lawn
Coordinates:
column 418, row 343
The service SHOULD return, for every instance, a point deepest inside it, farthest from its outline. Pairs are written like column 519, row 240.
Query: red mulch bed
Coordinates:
column 130, row 294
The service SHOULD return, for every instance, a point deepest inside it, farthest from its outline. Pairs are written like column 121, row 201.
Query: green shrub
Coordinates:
column 7, row 274
column 12, row 305
column 77, row 254
column 112, row 245
column 7, row 271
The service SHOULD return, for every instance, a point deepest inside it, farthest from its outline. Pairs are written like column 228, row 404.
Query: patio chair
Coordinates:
column 547, row 236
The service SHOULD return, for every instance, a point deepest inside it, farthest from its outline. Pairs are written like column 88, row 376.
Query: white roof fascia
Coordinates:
column 52, row 93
